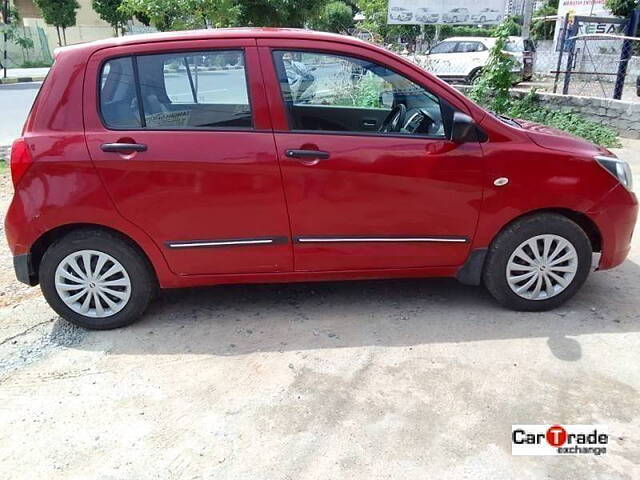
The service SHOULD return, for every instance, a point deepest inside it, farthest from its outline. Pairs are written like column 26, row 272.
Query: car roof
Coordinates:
column 221, row 33
column 469, row 39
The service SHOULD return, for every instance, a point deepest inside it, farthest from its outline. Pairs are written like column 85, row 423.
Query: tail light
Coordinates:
column 21, row 160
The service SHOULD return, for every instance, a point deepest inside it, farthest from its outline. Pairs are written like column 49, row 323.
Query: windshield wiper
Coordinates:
column 505, row 119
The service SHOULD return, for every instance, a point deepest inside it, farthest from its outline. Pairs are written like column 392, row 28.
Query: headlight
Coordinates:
column 618, row 168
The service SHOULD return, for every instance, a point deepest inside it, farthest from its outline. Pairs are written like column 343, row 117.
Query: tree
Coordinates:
column 375, row 20
column 544, row 29
column 492, row 86
column 15, row 34
column 183, row 14
column 109, row 11
column 621, row 8
column 59, row 13
column 278, row 13
column 335, row 16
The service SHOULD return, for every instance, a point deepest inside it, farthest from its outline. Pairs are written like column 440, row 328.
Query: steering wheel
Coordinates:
column 395, row 120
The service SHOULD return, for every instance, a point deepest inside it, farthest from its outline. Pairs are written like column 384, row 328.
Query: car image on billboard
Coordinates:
column 462, row 12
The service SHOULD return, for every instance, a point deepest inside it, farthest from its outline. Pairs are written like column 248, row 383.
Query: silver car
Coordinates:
column 487, row 15
column 456, row 15
column 400, row 14
column 426, row 15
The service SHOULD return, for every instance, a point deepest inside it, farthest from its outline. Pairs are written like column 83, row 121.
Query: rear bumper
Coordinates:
column 616, row 219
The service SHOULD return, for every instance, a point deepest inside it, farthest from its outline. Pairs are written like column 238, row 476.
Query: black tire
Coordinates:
column 143, row 282
column 503, row 246
column 473, row 76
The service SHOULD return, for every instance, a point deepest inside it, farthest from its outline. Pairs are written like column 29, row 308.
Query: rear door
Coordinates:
column 181, row 136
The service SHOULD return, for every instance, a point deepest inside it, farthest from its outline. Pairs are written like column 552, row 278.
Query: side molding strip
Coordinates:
column 232, row 242
column 380, row 239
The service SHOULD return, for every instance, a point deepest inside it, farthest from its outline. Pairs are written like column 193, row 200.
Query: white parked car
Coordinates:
column 487, row 15
column 462, row 58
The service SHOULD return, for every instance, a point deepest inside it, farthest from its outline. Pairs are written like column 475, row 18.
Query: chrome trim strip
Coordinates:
column 220, row 243
column 381, row 239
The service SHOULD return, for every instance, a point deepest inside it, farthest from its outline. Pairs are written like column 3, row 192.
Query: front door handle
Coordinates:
column 307, row 154
column 123, row 147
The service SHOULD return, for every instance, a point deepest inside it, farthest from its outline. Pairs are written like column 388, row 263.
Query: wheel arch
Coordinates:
column 581, row 219
column 470, row 273
column 45, row 240
column 473, row 74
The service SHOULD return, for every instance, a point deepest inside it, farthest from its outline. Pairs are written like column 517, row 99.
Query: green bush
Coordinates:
column 492, row 91
column 35, row 64
column 528, row 108
column 492, row 86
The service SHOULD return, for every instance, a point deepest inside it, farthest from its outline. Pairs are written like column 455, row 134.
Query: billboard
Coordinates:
column 447, row 12
column 587, row 8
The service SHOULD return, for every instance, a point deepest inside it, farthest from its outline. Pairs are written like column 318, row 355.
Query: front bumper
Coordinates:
column 615, row 218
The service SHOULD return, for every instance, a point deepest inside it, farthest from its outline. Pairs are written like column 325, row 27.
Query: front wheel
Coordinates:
column 473, row 77
column 95, row 279
column 538, row 263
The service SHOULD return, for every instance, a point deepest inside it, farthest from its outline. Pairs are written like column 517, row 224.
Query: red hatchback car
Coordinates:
column 272, row 155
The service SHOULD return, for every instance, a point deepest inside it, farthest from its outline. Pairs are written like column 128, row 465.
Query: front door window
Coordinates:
column 337, row 93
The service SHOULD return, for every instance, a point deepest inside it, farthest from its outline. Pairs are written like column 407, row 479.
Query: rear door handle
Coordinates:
column 307, row 154
column 123, row 147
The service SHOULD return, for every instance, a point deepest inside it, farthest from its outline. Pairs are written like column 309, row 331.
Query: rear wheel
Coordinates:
column 538, row 263
column 95, row 279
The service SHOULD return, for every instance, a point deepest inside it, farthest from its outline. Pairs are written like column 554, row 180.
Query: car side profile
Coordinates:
column 427, row 15
column 456, row 15
column 463, row 58
column 486, row 15
column 400, row 14
column 274, row 155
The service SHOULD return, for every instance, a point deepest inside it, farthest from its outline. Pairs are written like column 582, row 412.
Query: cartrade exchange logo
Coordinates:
column 559, row 439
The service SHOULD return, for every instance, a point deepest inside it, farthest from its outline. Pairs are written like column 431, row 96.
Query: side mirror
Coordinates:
column 386, row 98
column 464, row 129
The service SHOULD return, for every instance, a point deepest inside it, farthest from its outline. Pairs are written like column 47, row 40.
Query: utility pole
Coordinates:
column 5, row 19
column 526, row 18
column 625, row 55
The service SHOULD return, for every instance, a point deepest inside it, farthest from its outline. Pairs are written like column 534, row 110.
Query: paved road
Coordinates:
column 16, row 102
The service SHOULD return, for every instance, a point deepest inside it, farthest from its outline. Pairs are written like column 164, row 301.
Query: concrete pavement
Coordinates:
column 397, row 379
column 19, row 75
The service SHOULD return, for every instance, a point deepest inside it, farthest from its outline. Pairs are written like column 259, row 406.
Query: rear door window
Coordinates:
column 189, row 90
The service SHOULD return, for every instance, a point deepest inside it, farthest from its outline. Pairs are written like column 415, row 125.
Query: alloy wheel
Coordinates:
column 542, row 267
column 93, row 283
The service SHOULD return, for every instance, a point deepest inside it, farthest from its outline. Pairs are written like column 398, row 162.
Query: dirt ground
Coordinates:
column 357, row 380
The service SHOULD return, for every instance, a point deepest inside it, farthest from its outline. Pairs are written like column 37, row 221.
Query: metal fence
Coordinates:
column 39, row 54
column 591, row 69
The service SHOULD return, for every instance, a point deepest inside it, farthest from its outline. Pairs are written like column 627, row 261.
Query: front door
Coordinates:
column 398, row 195
column 181, row 137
